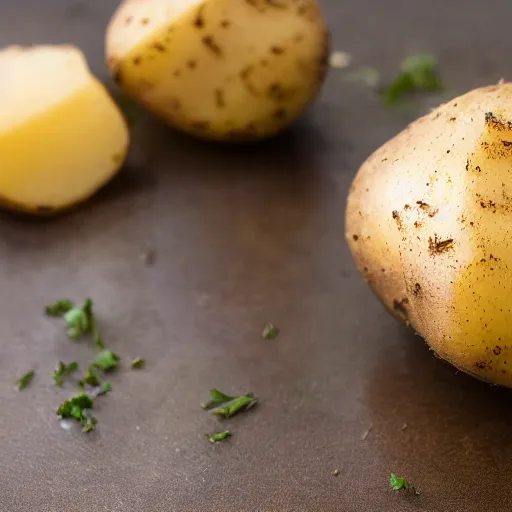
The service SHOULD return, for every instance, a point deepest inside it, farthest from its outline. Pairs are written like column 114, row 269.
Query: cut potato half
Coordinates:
column 61, row 135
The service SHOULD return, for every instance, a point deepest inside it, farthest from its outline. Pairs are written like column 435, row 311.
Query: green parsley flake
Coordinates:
column 216, row 398
column 78, row 408
column 90, row 378
column 138, row 362
column 227, row 406
column 418, row 73
column 62, row 371
column 106, row 360
column 397, row 484
column 60, row 308
column 270, row 332
column 218, row 436
column 81, row 321
column 26, row 380
column 104, row 388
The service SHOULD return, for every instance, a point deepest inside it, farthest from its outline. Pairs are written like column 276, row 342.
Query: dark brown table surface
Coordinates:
column 243, row 236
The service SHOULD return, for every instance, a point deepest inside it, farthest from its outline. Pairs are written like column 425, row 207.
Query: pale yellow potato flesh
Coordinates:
column 429, row 223
column 62, row 136
column 220, row 69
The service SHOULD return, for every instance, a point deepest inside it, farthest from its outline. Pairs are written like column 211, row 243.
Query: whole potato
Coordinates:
column 61, row 135
column 220, row 69
column 429, row 223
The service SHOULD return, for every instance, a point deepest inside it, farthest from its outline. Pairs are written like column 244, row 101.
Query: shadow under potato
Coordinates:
column 423, row 409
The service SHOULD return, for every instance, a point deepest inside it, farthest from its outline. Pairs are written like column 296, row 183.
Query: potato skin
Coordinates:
column 234, row 70
column 429, row 224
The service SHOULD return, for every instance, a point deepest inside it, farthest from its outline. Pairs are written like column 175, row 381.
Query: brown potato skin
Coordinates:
column 427, row 215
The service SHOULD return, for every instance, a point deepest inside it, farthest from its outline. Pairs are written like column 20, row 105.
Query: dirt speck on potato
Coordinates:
column 199, row 20
column 210, row 43
column 276, row 50
column 159, row 47
column 245, row 77
column 436, row 246
column 483, row 365
column 432, row 212
column 219, row 98
column 398, row 219
column 276, row 92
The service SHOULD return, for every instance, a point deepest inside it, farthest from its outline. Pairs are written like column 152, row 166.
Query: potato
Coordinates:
column 429, row 223
column 61, row 135
column 220, row 69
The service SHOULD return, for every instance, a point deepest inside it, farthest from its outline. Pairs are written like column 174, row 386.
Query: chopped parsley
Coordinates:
column 90, row 378
column 78, row 408
column 227, row 406
column 26, row 380
column 218, row 436
column 93, row 385
column 397, row 484
column 106, row 360
column 80, row 320
column 418, row 73
column 88, row 421
column 138, row 362
column 104, row 388
column 216, row 398
column 60, row 308
column 63, row 370
column 270, row 332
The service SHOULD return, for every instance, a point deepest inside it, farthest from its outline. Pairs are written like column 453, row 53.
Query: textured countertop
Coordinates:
column 241, row 237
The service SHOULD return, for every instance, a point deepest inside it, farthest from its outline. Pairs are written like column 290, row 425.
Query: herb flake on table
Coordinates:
column 227, row 406
column 106, row 360
column 90, row 378
column 138, row 362
column 78, row 408
column 418, row 73
column 63, row 370
column 104, row 388
column 59, row 308
column 26, row 380
column 270, row 332
column 398, row 483
column 82, row 321
column 79, row 320
column 219, row 436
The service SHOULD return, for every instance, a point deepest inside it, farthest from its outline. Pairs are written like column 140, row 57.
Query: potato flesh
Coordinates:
column 428, row 222
column 228, row 68
column 59, row 153
column 482, row 320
